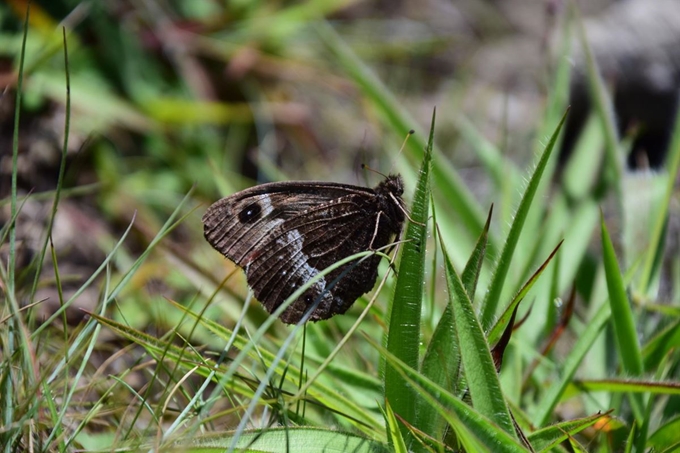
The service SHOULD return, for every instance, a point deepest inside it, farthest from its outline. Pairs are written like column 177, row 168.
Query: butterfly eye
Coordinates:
column 250, row 213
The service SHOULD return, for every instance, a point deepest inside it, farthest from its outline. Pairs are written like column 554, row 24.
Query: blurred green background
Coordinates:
column 205, row 98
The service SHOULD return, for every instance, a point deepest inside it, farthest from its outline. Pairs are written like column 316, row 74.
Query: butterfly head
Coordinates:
column 393, row 184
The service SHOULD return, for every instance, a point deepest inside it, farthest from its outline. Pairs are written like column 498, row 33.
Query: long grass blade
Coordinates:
column 403, row 336
column 488, row 310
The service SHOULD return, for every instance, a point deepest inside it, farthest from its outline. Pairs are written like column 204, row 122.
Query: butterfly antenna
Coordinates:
column 403, row 145
column 362, row 158
column 366, row 167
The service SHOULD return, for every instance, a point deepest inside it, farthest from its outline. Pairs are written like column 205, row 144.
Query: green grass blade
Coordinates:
column 578, row 351
column 15, row 159
column 622, row 316
column 62, row 169
column 552, row 436
column 473, row 268
column 493, row 296
column 558, row 91
column 472, row 427
column 656, row 238
column 581, row 174
column 502, row 171
column 393, row 431
column 660, row 345
column 480, row 371
column 666, row 436
column 602, row 104
column 441, row 363
column 445, row 177
column 299, row 440
column 500, row 325
column 541, row 214
column 403, row 336
column 18, row 336
column 625, row 385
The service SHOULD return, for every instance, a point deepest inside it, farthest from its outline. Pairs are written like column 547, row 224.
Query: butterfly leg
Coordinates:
column 390, row 248
column 396, row 201
column 375, row 230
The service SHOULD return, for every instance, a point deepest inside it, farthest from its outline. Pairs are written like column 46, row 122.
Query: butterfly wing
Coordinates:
column 284, row 234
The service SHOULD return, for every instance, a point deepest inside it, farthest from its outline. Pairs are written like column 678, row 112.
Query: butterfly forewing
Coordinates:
column 284, row 234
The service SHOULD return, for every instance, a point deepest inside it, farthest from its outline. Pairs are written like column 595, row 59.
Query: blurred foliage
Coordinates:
column 134, row 334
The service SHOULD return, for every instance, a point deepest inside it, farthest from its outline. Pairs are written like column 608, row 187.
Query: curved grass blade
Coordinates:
column 497, row 330
column 480, row 371
column 552, row 436
column 492, row 299
column 441, row 363
column 659, row 346
column 474, row 430
column 578, row 351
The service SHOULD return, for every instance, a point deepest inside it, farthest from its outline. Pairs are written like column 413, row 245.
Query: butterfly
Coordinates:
column 283, row 234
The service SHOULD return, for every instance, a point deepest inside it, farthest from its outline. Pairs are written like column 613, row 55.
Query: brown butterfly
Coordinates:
column 285, row 233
